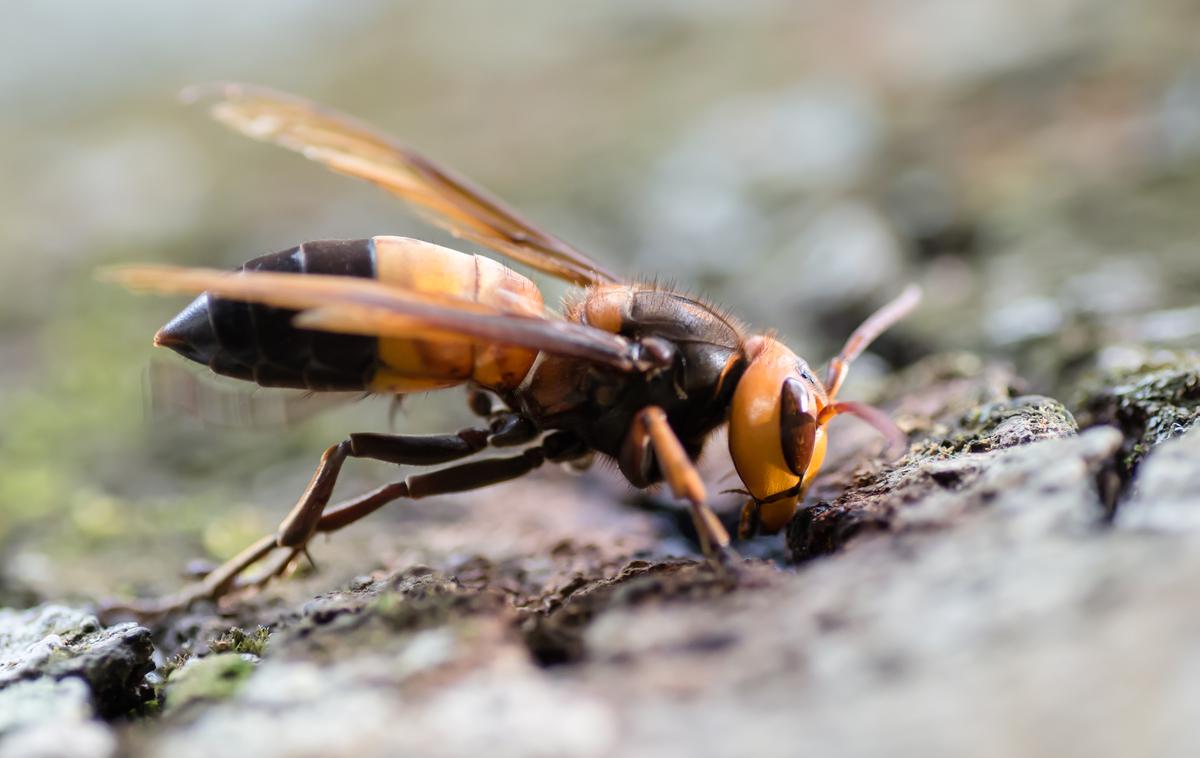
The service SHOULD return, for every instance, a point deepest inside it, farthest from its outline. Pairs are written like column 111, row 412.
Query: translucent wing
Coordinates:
column 446, row 199
column 175, row 390
column 365, row 306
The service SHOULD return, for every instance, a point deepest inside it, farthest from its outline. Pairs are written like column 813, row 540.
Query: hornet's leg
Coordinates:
column 558, row 448
column 651, row 431
column 299, row 525
column 308, row 517
column 461, row 478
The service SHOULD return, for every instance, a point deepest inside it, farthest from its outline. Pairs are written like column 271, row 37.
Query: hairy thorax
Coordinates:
column 598, row 404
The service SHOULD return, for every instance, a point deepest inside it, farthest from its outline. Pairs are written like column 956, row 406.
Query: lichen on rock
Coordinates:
column 59, row 671
column 962, row 415
column 1166, row 496
column 1150, row 404
column 46, row 718
column 208, row 679
column 59, row 642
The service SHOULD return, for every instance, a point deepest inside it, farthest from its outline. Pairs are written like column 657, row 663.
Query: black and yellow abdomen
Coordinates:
column 260, row 343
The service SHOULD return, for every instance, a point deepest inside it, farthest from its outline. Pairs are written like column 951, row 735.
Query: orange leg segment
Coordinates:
column 684, row 481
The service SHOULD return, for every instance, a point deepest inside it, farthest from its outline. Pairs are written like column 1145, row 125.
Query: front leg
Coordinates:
column 652, row 432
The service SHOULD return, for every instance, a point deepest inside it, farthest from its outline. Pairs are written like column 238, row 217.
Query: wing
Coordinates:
column 446, row 199
column 173, row 390
column 365, row 306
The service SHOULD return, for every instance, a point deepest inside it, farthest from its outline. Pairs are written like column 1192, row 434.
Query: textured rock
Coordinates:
column 986, row 594
column 48, row 718
column 1016, row 624
column 1149, row 404
column 363, row 707
column 995, row 618
column 202, row 680
column 990, row 571
column 1166, row 496
column 963, row 417
column 58, row 642
column 59, row 669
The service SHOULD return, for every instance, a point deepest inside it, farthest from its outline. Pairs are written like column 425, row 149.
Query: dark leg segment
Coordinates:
column 506, row 429
column 459, row 478
column 300, row 523
column 473, row 475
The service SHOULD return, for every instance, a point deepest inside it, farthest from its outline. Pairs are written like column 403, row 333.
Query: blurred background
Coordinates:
column 1034, row 164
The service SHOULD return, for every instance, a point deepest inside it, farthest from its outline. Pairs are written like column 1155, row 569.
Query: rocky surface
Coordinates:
column 1020, row 582
column 1150, row 403
column 47, row 718
column 60, row 670
column 990, row 593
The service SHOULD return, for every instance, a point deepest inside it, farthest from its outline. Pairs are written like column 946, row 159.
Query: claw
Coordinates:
column 726, row 564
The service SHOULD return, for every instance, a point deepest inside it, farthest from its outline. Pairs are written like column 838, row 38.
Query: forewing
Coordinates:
column 365, row 306
column 350, row 147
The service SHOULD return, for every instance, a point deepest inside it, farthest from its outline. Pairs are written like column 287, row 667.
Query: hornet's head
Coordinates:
column 779, row 412
column 776, row 432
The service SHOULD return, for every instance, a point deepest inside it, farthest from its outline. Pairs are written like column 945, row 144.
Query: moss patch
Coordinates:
column 1150, row 405
column 237, row 640
column 1009, row 423
column 208, row 679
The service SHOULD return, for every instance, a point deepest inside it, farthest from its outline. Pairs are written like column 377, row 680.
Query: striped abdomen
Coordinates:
column 259, row 343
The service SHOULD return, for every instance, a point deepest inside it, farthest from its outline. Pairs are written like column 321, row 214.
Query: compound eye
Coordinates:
column 797, row 425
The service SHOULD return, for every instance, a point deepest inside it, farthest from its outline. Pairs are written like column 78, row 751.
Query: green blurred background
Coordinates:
column 1034, row 164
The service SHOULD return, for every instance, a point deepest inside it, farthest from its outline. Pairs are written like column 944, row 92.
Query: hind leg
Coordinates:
column 310, row 515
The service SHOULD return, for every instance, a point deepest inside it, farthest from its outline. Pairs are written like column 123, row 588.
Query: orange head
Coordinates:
column 776, row 436
column 779, row 411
